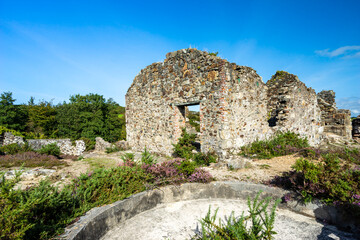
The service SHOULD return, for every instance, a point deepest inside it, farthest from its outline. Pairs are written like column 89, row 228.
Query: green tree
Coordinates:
column 115, row 122
column 85, row 116
column 42, row 118
column 12, row 116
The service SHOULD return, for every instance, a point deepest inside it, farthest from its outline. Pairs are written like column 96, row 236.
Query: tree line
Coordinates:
column 82, row 117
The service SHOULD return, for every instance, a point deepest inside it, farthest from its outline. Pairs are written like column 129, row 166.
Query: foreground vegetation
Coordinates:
column 259, row 224
column 43, row 211
column 332, row 175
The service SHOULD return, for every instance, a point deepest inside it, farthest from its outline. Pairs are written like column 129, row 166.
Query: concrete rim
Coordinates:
column 96, row 222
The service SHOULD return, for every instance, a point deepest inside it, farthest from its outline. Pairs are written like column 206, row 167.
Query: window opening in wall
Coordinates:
column 191, row 114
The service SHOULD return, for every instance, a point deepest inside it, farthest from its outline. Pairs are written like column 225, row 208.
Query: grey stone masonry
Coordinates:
column 9, row 138
column 337, row 121
column 356, row 129
column 235, row 104
column 293, row 107
column 65, row 145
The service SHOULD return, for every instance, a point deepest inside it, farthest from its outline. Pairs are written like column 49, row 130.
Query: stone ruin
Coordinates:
column 236, row 106
column 66, row 146
column 356, row 129
column 336, row 121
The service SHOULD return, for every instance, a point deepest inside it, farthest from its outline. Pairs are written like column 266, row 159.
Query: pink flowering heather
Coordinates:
column 171, row 172
column 200, row 175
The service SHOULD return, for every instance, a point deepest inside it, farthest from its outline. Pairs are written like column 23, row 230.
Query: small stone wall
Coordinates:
column 334, row 120
column 9, row 138
column 65, row 145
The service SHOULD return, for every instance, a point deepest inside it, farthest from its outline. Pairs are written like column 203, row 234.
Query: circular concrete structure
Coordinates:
column 173, row 212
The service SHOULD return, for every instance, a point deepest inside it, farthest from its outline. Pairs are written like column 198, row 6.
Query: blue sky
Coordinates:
column 54, row 49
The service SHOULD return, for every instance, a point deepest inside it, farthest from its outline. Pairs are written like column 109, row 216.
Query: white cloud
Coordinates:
column 346, row 51
column 352, row 103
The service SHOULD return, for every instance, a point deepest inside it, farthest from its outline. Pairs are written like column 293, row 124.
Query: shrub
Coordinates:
column 128, row 160
column 29, row 159
column 329, row 180
column 148, row 158
column 4, row 130
column 113, row 149
column 261, row 223
column 89, row 144
column 281, row 144
column 11, row 148
column 50, row 149
column 177, row 171
column 205, row 159
column 194, row 119
column 15, row 148
column 184, row 147
column 42, row 212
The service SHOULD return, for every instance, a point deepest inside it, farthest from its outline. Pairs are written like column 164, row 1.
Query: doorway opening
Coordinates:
column 191, row 114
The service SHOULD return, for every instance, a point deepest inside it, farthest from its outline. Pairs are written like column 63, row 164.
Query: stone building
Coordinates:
column 236, row 106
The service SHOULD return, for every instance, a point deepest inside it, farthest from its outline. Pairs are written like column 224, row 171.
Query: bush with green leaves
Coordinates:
column 148, row 158
column 41, row 212
column 4, row 130
column 50, row 149
column 185, row 145
column 15, row 148
column 184, row 149
column 331, row 180
column 11, row 149
column 205, row 158
column 259, row 224
column 281, row 144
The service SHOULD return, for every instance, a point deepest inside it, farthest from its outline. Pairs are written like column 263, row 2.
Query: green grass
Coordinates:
column 101, row 162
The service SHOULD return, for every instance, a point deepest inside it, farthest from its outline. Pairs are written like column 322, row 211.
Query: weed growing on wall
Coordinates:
column 259, row 224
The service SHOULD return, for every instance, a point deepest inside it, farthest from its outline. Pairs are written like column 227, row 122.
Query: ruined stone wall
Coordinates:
column 334, row 120
column 356, row 129
column 293, row 107
column 65, row 145
column 245, row 108
column 155, row 102
column 9, row 138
